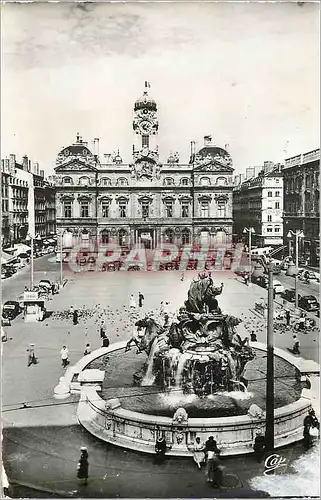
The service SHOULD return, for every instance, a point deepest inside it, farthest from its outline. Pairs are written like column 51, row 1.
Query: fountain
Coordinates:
column 192, row 376
column 200, row 351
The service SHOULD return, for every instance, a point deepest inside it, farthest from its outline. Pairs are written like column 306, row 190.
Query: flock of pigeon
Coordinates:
column 121, row 319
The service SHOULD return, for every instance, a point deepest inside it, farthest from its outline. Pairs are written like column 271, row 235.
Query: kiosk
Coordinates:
column 33, row 307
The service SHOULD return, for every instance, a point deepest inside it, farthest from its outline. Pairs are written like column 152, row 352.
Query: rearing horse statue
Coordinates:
column 152, row 330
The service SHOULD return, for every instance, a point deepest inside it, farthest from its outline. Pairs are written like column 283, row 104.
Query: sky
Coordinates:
column 245, row 73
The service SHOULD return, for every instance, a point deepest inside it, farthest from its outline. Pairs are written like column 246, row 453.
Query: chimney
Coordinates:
column 25, row 163
column 29, row 166
column 12, row 164
column 107, row 157
column 268, row 166
column 207, row 140
column 227, row 147
column 77, row 138
column 192, row 156
column 96, row 146
column 42, row 173
column 250, row 172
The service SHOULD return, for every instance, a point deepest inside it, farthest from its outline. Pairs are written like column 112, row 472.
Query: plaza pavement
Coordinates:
column 42, row 440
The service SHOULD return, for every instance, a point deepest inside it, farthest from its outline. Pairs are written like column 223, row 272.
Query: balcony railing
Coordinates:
column 303, row 158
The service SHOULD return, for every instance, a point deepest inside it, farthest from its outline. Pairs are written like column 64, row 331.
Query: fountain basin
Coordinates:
column 138, row 431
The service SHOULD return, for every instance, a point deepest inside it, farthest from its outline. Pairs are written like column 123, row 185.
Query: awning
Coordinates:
column 6, row 258
column 11, row 249
column 46, row 242
column 51, row 241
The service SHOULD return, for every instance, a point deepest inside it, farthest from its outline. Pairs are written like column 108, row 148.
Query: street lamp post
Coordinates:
column 298, row 234
column 269, row 431
column 249, row 230
column 61, row 240
column 31, row 238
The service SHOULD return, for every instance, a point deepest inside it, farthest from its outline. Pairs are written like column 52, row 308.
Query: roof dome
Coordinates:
column 213, row 151
column 80, row 148
column 145, row 102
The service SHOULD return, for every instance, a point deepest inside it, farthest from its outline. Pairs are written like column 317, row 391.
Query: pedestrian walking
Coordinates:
column 102, row 330
column 87, row 350
column 105, row 341
column 83, row 465
column 182, row 276
column 160, row 449
column 259, row 446
column 296, row 345
column 287, row 317
column 75, row 317
column 274, row 293
column 132, row 303
column 253, row 336
column 64, row 354
column 71, row 310
column 302, row 321
column 141, row 299
column 214, row 470
column 32, row 360
column 199, row 452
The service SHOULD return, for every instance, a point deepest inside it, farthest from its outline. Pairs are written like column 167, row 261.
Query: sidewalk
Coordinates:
column 45, row 458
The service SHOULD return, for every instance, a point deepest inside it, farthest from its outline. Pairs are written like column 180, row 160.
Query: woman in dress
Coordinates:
column 132, row 303
column 198, row 452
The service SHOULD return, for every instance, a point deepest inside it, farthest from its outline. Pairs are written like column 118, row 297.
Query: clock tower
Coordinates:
column 145, row 126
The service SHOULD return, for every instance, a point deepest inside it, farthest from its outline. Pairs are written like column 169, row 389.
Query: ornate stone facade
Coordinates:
column 302, row 203
column 145, row 201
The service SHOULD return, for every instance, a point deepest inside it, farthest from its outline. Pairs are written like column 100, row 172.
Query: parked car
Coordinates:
column 45, row 284
column 309, row 303
column 308, row 275
column 288, row 294
column 10, row 309
column 261, row 281
column 277, row 286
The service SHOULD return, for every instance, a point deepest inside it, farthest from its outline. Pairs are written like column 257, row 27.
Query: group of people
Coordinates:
column 203, row 453
column 132, row 301
column 209, row 453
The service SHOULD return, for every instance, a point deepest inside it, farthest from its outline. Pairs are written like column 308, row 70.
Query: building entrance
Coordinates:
column 146, row 237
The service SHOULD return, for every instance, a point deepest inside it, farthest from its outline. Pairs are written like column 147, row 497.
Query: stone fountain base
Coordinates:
column 108, row 421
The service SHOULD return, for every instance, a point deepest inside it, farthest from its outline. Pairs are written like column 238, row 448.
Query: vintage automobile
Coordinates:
column 288, row 294
column 309, row 303
column 10, row 309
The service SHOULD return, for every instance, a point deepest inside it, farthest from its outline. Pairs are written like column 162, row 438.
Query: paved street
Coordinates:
column 42, row 440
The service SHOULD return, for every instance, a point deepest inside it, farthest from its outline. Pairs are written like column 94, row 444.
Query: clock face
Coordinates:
column 145, row 126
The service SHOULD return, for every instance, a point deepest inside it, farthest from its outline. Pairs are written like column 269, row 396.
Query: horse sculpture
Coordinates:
column 152, row 330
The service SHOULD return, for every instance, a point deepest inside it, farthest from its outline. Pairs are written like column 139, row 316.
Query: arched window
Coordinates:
column 84, row 181
column 67, row 180
column 185, row 181
column 186, row 236
column 169, row 181
column 122, row 237
column 122, row 181
column 105, row 181
column 169, row 236
column 221, row 181
column 104, row 236
column 205, row 181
